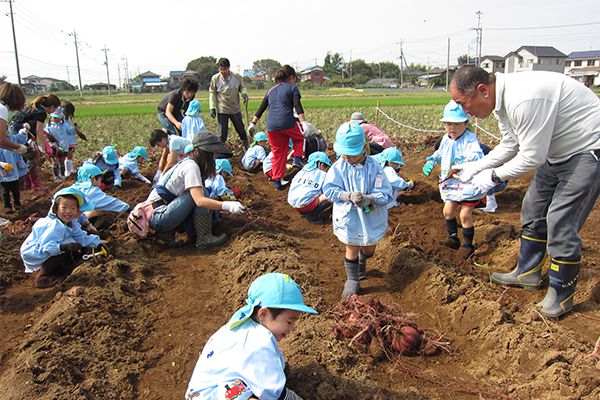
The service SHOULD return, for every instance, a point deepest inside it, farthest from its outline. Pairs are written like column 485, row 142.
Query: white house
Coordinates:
column 492, row 63
column 535, row 58
column 584, row 66
column 37, row 84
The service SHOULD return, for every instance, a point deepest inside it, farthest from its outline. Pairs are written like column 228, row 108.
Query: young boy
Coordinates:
column 391, row 160
column 242, row 360
column 192, row 122
column 173, row 150
column 256, row 153
column 53, row 248
column 458, row 146
column 60, row 135
column 306, row 190
column 129, row 163
column 360, row 192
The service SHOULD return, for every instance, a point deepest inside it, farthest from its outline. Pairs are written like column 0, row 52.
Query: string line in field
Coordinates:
column 487, row 132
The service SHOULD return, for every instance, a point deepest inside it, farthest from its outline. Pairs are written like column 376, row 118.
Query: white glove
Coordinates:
column 21, row 150
column 251, row 128
column 483, row 180
column 234, row 207
column 26, row 126
column 305, row 127
column 410, row 184
column 466, row 171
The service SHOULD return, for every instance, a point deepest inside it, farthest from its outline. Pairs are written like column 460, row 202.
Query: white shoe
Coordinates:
column 491, row 205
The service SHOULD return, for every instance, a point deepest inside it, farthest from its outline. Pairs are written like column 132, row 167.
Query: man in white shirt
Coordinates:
column 549, row 123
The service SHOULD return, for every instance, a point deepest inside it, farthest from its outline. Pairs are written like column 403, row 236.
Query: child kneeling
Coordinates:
column 54, row 247
column 306, row 190
column 242, row 360
column 256, row 153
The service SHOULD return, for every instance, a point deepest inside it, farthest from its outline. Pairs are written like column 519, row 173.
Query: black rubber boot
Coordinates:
column 561, row 288
column 362, row 265
column 204, row 236
column 352, row 285
column 467, row 249
column 452, row 227
column 528, row 273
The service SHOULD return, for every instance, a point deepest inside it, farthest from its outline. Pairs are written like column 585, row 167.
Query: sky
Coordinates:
column 161, row 36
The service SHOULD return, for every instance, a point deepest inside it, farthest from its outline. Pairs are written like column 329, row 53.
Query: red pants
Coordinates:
column 280, row 144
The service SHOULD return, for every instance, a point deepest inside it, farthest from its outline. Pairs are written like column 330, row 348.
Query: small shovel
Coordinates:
column 101, row 253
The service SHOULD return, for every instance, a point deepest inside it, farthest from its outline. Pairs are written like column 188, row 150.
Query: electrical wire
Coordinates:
column 527, row 28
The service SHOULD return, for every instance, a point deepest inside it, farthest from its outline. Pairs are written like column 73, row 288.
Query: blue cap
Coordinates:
column 315, row 158
column 223, row 164
column 138, row 151
column 390, row 154
column 188, row 148
column 453, row 112
column 58, row 113
column 109, row 154
column 86, row 172
column 349, row 139
column 193, row 108
column 82, row 199
column 260, row 136
column 273, row 290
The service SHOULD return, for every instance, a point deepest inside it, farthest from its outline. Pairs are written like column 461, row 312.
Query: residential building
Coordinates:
column 36, row 84
column 149, row 82
column 492, row 64
column 312, row 74
column 584, row 66
column 99, row 86
column 175, row 78
column 535, row 58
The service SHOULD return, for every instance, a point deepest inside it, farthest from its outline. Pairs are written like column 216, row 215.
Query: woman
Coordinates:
column 282, row 99
column 179, row 200
column 12, row 98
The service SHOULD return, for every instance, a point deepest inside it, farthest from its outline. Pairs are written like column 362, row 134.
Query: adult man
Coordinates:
column 551, row 123
column 172, row 107
column 224, row 101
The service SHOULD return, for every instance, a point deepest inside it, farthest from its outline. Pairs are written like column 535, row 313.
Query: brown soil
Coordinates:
column 132, row 326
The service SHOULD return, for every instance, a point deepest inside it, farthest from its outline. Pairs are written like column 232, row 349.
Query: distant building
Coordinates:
column 312, row 74
column 99, row 86
column 383, row 82
column 435, row 76
column 492, row 64
column 248, row 73
column 535, row 58
column 149, row 82
column 584, row 66
column 175, row 78
column 36, row 84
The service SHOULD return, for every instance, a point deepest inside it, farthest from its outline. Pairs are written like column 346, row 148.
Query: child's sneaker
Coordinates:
column 466, row 251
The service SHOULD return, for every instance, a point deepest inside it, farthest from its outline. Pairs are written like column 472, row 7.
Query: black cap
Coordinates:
column 210, row 143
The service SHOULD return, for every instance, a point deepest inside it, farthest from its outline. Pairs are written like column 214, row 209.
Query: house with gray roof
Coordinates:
column 492, row 63
column 584, row 66
column 535, row 58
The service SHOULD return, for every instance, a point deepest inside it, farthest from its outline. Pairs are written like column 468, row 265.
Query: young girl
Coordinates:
column 9, row 179
column 458, row 146
column 108, row 162
column 69, row 112
column 129, row 163
column 256, row 153
column 217, row 186
column 192, row 122
column 306, row 190
column 61, row 136
column 242, row 360
column 360, row 192
column 391, row 160
column 54, row 246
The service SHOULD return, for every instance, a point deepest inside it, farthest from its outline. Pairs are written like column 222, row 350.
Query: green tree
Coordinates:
column 206, row 67
column 265, row 67
column 385, row 69
column 463, row 60
column 360, row 67
column 333, row 65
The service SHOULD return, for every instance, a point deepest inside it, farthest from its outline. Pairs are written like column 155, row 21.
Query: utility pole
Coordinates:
column 74, row 34
column 119, row 72
column 12, row 20
column 448, row 65
column 127, row 83
column 106, row 63
column 479, row 36
column 68, row 76
column 401, row 63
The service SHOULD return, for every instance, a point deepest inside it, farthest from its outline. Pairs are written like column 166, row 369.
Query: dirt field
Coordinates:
column 132, row 327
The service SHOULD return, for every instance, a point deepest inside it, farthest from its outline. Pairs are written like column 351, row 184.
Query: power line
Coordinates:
column 543, row 27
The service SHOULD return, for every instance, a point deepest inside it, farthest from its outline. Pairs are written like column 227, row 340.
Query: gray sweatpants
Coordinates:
column 559, row 200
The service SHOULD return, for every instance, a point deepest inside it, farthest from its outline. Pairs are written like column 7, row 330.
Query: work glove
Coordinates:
column 213, row 112
column 26, row 126
column 466, row 171
column 21, row 150
column 304, row 126
column 429, row 165
column 354, row 197
column 245, row 97
column 483, row 180
column 410, row 184
column 367, row 200
column 234, row 207
column 70, row 246
column 251, row 129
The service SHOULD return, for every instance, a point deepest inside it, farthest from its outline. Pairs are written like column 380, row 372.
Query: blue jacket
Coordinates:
column 191, row 125
column 215, row 187
column 64, row 134
column 129, row 164
column 46, row 237
column 100, row 200
column 305, row 187
column 20, row 138
column 11, row 158
column 398, row 184
column 351, row 224
column 253, row 153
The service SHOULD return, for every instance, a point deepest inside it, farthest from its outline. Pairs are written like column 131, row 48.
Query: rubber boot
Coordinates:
column 561, row 288
column 362, row 265
column 204, row 236
column 56, row 173
column 528, row 273
column 452, row 227
column 491, row 204
column 69, row 168
column 352, row 285
column 467, row 249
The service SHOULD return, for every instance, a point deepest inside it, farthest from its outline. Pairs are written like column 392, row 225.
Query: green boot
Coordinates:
column 362, row 265
column 561, row 288
column 204, row 236
column 528, row 273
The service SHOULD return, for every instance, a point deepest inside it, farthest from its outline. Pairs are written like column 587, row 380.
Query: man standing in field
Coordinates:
column 224, row 101
column 551, row 123
column 172, row 107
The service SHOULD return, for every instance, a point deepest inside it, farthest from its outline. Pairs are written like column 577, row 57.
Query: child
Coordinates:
column 458, row 146
column 108, row 162
column 254, row 156
column 61, row 136
column 391, row 160
column 306, row 190
column 192, row 122
column 9, row 179
column 69, row 112
column 360, row 192
column 173, row 150
column 216, row 186
column 129, row 163
column 54, row 246
column 242, row 360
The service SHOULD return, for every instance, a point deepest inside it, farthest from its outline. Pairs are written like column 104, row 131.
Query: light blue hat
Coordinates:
column 109, row 154
column 453, row 112
column 273, row 290
column 82, row 199
column 138, row 151
column 390, row 154
column 86, row 172
column 188, row 148
column 58, row 113
column 193, row 108
column 260, row 136
column 349, row 139
column 223, row 164
column 315, row 158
